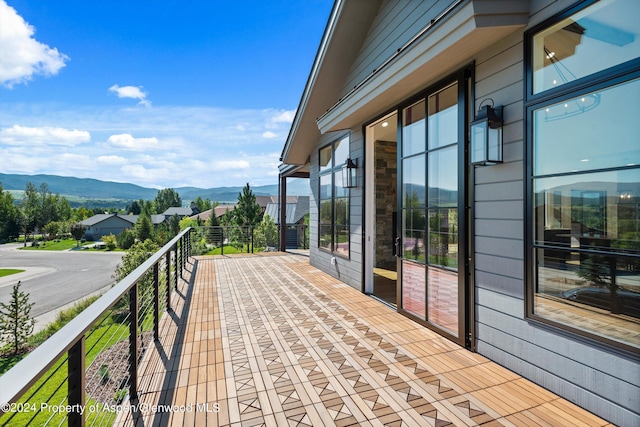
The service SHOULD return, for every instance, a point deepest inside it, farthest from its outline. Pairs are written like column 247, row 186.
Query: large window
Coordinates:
column 334, row 199
column 584, row 172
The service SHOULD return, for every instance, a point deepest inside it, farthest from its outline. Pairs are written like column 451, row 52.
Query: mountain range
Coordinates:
column 78, row 189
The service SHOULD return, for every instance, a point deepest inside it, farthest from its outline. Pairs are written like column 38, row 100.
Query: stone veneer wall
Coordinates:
column 385, row 181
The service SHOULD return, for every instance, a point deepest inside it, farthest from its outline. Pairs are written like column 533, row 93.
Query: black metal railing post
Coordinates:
column 76, row 384
column 175, row 263
column 167, row 265
column 133, row 344
column 180, row 249
column 156, row 302
column 222, row 241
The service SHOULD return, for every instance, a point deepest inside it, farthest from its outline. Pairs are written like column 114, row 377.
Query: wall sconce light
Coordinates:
column 486, row 135
column 349, row 173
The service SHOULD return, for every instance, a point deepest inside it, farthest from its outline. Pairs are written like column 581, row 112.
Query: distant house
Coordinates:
column 104, row 224
column 218, row 211
column 297, row 207
column 181, row 212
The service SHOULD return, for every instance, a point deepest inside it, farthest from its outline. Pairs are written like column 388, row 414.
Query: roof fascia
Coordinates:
column 466, row 28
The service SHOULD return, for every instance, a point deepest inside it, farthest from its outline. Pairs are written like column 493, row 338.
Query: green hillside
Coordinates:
column 87, row 191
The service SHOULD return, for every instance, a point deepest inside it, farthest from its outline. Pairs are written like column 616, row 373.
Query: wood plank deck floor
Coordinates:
column 270, row 340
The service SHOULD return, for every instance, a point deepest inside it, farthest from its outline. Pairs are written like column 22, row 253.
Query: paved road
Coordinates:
column 56, row 279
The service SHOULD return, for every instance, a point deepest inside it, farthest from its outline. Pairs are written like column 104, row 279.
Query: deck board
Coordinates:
column 271, row 340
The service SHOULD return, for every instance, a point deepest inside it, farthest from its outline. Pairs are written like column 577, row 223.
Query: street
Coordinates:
column 55, row 279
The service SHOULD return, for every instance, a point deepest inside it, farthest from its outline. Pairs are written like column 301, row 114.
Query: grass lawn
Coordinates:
column 228, row 250
column 60, row 245
column 9, row 271
column 53, row 245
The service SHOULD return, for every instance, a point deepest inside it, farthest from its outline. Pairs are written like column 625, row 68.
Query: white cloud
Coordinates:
column 284, row 116
column 160, row 147
column 128, row 142
column 134, row 92
column 269, row 135
column 29, row 136
column 230, row 165
column 111, row 160
column 22, row 56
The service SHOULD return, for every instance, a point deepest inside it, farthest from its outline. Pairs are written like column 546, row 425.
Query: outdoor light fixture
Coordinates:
column 486, row 136
column 349, row 174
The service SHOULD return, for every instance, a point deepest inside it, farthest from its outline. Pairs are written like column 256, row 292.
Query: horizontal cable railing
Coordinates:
column 247, row 239
column 83, row 372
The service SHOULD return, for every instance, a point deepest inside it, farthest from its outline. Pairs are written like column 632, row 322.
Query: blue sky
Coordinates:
column 157, row 93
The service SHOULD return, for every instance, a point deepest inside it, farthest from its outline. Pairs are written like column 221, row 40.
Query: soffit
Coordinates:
column 447, row 46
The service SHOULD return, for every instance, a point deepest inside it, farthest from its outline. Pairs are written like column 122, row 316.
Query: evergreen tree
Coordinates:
column 248, row 212
column 9, row 218
column 144, row 228
column 166, row 199
column 16, row 325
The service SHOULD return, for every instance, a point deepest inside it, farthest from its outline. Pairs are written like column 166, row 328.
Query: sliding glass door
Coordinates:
column 432, row 151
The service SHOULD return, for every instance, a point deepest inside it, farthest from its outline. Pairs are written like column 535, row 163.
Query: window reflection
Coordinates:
column 443, row 117
column 593, row 211
column 443, row 238
column 443, row 177
column 333, row 232
column 604, row 137
column 413, row 179
column 414, row 231
column 413, row 129
column 598, row 37
column 414, row 289
column 586, row 173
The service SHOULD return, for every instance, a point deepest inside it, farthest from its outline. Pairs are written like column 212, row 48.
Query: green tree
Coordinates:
column 30, row 208
column 165, row 199
column 77, row 232
column 16, row 324
column 126, row 239
column 81, row 213
column 9, row 218
column 135, row 208
column 266, row 233
column 144, row 228
column 227, row 218
column 203, row 205
column 53, row 229
column 247, row 212
column 212, row 221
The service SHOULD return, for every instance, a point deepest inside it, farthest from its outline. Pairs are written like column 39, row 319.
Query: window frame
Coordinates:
column 335, row 170
column 601, row 80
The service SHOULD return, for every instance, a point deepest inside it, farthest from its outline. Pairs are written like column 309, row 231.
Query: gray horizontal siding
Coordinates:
column 395, row 24
column 576, row 370
column 347, row 270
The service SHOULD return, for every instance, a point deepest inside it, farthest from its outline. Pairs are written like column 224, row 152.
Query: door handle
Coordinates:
column 397, row 247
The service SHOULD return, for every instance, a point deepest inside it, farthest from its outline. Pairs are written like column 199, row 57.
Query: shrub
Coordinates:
column 126, row 239
column 110, row 241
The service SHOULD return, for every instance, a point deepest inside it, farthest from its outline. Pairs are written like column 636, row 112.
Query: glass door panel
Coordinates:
column 413, row 289
column 442, row 231
column 429, row 227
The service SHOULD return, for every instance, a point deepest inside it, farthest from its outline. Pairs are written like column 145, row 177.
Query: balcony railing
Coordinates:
column 100, row 349
column 247, row 239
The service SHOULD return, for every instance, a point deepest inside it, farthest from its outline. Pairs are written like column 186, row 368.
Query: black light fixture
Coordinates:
column 486, row 135
column 349, row 173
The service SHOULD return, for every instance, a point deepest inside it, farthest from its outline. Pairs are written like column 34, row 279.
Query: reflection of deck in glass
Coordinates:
column 442, row 295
